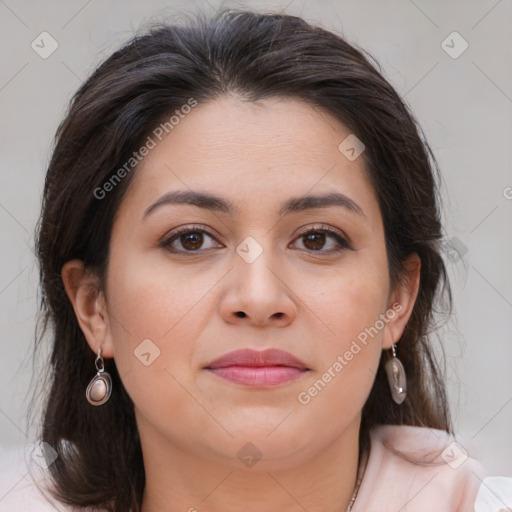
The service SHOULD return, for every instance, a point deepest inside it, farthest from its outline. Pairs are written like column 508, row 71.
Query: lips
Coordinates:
column 258, row 369
column 254, row 358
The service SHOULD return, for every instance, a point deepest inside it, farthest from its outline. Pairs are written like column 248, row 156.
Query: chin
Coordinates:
column 270, row 447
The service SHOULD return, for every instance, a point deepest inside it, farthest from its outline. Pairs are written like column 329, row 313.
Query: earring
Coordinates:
column 100, row 387
column 396, row 378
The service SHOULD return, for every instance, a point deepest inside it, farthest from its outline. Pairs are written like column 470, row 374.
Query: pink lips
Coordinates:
column 258, row 368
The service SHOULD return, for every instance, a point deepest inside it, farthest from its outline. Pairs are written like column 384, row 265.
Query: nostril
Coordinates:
column 240, row 314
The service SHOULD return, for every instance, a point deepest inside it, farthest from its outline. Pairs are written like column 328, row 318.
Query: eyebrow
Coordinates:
column 219, row 204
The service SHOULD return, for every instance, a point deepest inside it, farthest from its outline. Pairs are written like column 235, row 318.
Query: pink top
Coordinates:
column 415, row 469
column 410, row 469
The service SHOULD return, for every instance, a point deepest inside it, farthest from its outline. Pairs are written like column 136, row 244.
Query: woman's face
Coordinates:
column 248, row 276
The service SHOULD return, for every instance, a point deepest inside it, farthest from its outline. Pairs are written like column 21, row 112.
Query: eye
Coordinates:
column 190, row 239
column 314, row 240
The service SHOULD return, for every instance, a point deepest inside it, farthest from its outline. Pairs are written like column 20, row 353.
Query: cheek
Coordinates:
column 350, row 300
column 155, row 300
column 154, row 366
column 352, row 305
column 156, row 315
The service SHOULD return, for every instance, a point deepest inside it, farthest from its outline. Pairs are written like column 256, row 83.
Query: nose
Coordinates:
column 257, row 294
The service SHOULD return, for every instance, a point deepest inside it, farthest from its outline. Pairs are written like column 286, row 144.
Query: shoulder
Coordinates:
column 24, row 483
column 418, row 469
column 18, row 487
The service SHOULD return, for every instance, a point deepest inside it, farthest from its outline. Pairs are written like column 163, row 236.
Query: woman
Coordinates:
column 240, row 257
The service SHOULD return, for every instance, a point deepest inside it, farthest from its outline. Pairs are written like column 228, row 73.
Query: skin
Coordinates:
column 312, row 303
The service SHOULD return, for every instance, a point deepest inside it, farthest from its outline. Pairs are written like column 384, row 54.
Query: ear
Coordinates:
column 403, row 299
column 83, row 290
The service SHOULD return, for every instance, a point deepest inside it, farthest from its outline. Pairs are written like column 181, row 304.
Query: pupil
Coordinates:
column 194, row 238
column 317, row 239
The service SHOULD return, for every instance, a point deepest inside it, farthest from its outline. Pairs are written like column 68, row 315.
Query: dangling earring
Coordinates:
column 100, row 387
column 396, row 378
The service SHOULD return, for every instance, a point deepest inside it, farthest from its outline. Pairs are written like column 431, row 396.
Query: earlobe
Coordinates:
column 82, row 288
column 402, row 301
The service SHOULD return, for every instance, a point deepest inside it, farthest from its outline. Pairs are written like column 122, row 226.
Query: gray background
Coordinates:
column 464, row 105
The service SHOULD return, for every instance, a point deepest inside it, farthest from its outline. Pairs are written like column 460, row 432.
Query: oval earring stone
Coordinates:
column 397, row 380
column 99, row 389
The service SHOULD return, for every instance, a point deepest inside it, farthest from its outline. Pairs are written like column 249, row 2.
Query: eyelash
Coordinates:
column 343, row 244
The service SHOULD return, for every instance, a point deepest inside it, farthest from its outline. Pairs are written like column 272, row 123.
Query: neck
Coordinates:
column 180, row 479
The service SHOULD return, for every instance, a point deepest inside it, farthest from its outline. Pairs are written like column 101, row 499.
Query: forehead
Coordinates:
column 259, row 153
column 228, row 128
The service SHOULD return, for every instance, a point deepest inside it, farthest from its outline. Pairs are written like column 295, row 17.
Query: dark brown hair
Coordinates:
column 254, row 56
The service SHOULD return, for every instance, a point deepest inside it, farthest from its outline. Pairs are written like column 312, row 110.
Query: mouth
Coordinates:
column 254, row 368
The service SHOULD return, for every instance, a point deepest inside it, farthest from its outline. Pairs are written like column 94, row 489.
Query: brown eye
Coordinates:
column 314, row 241
column 191, row 241
column 188, row 239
